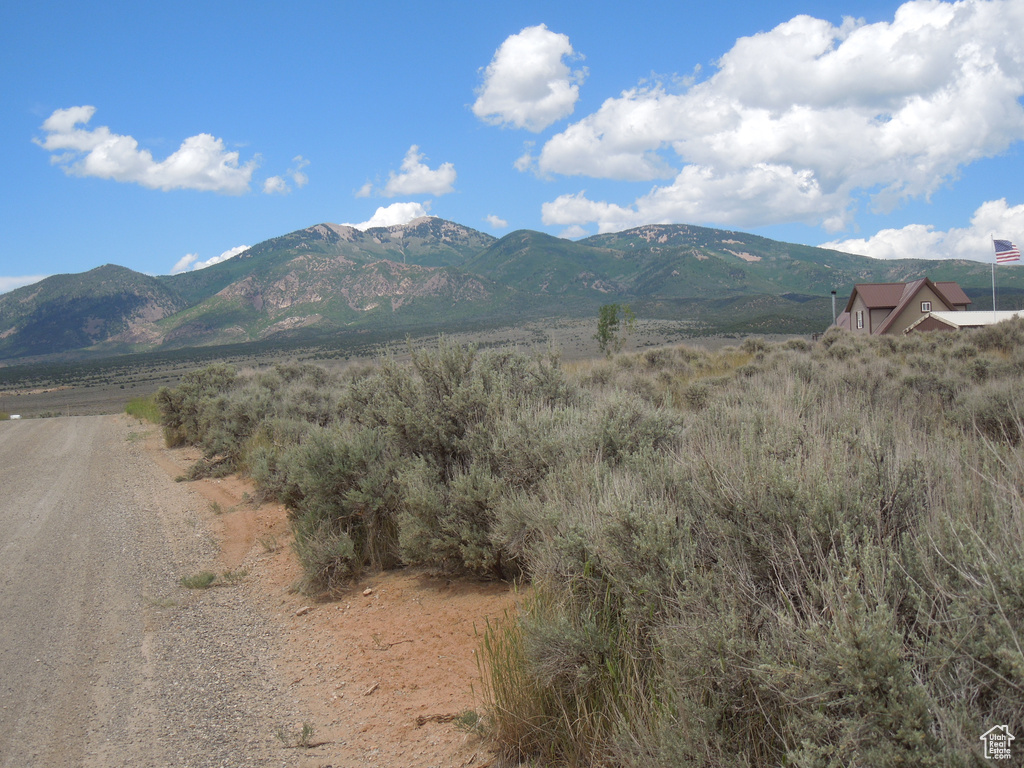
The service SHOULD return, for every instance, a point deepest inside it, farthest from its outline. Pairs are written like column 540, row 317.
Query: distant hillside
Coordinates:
column 428, row 242
column 683, row 260
column 550, row 266
column 69, row 312
column 435, row 273
column 313, row 292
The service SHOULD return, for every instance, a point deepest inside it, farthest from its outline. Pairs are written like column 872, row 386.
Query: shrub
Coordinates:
column 182, row 408
column 585, row 650
column 346, row 491
column 790, row 614
column 327, row 555
column 627, row 425
column 994, row 410
column 201, row 580
column 449, row 419
column 144, row 408
column 802, row 555
column 449, row 524
column 269, row 459
column 1006, row 337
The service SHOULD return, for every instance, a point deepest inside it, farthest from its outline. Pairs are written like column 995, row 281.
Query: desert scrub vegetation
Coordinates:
column 775, row 554
column 144, row 409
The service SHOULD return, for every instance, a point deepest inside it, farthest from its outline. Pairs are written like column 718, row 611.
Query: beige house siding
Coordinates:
column 912, row 313
column 933, row 324
column 878, row 317
column 894, row 307
column 860, row 306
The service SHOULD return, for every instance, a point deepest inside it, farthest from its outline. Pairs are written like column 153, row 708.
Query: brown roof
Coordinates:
column 877, row 295
column 896, row 296
column 891, row 295
column 952, row 292
column 910, row 290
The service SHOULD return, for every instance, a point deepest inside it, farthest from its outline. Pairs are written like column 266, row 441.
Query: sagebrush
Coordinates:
column 805, row 554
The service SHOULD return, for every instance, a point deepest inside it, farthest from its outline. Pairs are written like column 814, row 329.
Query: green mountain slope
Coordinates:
column 69, row 312
column 682, row 261
column 427, row 242
column 318, row 293
column 439, row 274
column 537, row 263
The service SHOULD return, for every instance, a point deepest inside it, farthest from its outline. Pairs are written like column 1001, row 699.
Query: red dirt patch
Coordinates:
column 385, row 675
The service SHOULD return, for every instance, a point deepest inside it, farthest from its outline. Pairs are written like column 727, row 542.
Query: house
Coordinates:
column 880, row 308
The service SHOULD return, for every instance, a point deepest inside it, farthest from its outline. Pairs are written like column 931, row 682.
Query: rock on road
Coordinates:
column 105, row 660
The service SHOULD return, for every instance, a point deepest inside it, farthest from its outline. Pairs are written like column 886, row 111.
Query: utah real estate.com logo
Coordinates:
column 997, row 742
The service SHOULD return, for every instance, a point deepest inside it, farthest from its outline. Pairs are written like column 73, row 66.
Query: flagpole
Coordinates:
column 1005, row 252
column 993, row 239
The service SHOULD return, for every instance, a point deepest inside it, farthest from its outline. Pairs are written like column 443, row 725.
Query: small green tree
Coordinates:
column 614, row 324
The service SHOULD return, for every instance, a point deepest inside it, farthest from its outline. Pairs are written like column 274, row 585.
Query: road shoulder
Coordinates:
column 387, row 670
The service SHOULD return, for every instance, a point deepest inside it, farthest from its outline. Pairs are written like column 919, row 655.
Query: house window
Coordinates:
column 926, row 306
column 860, row 318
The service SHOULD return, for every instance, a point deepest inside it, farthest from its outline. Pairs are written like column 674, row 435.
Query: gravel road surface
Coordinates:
column 105, row 660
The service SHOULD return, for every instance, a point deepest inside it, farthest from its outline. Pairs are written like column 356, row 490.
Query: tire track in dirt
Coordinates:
column 105, row 659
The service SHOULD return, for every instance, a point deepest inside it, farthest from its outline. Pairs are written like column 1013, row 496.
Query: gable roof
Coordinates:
column 909, row 292
column 891, row 295
column 952, row 292
column 877, row 295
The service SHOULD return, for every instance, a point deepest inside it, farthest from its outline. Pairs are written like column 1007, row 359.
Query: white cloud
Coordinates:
column 297, row 173
column 278, row 185
column 184, row 263
column 524, row 162
column 496, row 221
column 201, row 163
column 800, row 122
column 394, row 215
column 527, row 84
column 275, row 185
column 747, row 198
column 190, row 262
column 575, row 232
column 417, row 179
column 574, row 209
column 994, row 219
column 9, row 283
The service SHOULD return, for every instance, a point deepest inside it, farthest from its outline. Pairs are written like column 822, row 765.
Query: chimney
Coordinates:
column 833, row 307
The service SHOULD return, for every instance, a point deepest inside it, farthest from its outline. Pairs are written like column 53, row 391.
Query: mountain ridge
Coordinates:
column 329, row 278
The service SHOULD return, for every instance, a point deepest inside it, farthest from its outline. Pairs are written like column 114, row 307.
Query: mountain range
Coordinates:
column 431, row 273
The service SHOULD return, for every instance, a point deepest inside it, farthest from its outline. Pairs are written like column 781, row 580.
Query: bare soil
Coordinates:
column 386, row 670
column 106, row 659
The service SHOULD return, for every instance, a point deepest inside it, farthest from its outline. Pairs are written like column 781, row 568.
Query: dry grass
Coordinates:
column 766, row 554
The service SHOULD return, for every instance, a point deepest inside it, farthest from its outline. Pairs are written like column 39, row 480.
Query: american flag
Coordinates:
column 1006, row 251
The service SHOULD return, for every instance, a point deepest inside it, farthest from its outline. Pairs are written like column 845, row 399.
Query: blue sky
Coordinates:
column 165, row 136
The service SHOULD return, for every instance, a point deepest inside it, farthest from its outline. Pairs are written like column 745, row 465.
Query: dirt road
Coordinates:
column 105, row 660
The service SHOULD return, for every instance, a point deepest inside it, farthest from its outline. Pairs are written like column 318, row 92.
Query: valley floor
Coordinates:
column 104, row 386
